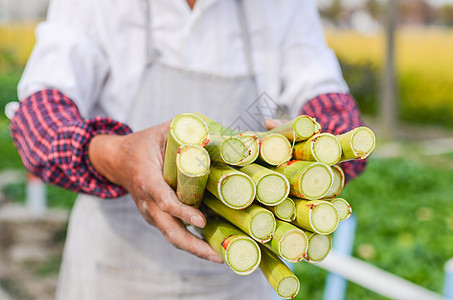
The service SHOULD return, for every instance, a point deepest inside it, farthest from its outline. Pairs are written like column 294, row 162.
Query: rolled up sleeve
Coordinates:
column 67, row 55
column 309, row 66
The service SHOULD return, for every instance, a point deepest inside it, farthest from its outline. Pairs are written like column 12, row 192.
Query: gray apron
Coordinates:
column 111, row 252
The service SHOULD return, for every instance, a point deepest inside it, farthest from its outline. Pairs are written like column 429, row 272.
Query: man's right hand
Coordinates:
column 135, row 162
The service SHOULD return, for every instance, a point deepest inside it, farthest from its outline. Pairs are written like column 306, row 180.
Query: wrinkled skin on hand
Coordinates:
column 135, row 162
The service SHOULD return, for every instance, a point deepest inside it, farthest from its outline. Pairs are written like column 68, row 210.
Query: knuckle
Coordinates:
column 170, row 235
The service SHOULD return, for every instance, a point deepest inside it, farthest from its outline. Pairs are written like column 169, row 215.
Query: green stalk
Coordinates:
column 234, row 188
column 338, row 183
column 343, row 208
column 285, row 211
column 255, row 220
column 241, row 253
column 275, row 149
column 249, row 139
column 357, row 143
column 227, row 150
column 318, row 216
column 322, row 147
column 318, row 246
column 309, row 180
column 288, row 242
column 216, row 128
column 192, row 163
column 271, row 187
column 184, row 129
column 252, row 143
column 279, row 276
column 298, row 129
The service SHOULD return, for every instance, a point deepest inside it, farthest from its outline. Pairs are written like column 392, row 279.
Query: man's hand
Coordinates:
column 135, row 162
column 273, row 123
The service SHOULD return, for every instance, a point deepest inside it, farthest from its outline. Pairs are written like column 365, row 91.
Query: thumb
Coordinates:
column 272, row 123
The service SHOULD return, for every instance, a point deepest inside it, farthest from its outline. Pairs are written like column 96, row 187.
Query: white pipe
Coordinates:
column 375, row 279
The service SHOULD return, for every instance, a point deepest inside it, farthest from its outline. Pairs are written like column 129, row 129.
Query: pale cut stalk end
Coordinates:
column 234, row 151
column 185, row 128
column 239, row 251
column 288, row 242
column 279, row 276
column 258, row 222
column 318, row 216
column 357, row 143
column 192, row 163
column 318, row 247
column 262, row 226
column 343, row 208
column 242, row 255
column 189, row 129
column 324, row 218
column 298, row 129
column 272, row 189
column 252, row 143
column 286, row 210
column 236, row 190
column 275, row 149
column 316, row 181
column 327, row 149
column 305, row 127
column 338, row 182
column 293, row 245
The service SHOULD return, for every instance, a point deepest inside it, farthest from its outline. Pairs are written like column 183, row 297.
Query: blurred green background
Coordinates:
column 403, row 201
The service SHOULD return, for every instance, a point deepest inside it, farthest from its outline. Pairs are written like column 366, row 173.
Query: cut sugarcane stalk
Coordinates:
column 240, row 252
column 255, row 220
column 279, row 276
column 249, row 139
column 184, row 129
column 216, row 128
column 285, row 211
column 318, row 216
column 193, row 164
column 271, row 187
column 227, row 150
column 234, row 188
column 357, row 143
column 298, row 129
column 322, row 147
column 308, row 180
column 275, row 149
column 318, row 246
column 338, row 182
column 252, row 143
column 288, row 242
column 343, row 208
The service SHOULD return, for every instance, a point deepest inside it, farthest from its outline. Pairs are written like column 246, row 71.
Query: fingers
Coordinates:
column 168, row 202
column 272, row 123
column 176, row 234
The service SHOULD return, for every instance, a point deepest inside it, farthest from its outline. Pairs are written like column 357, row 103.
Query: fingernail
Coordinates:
column 198, row 221
column 216, row 259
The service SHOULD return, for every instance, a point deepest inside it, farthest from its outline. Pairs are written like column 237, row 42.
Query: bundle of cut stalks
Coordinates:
column 274, row 193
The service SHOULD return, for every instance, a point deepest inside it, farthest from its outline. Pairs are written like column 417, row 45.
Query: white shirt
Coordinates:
column 94, row 51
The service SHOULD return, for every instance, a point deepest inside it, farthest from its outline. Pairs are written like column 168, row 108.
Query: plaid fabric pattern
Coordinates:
column 52, row 140
column 337, row 113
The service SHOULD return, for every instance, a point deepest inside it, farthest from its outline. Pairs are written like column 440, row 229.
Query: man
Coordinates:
column 101, row 64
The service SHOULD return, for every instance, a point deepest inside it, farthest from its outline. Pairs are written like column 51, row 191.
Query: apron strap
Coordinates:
column 151, row 53
column 245, row 36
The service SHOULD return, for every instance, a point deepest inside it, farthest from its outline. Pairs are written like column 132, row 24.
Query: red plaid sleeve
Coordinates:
column 52, row 140
column 337, row 113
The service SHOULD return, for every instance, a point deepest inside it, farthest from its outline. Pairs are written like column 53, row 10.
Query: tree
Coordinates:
column 445, row 14
column 334, row 11
column 374, row 8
